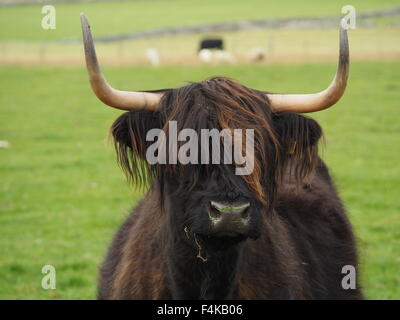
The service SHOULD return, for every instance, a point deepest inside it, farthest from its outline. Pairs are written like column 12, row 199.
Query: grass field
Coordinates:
column 62, row 195
column 24, row 23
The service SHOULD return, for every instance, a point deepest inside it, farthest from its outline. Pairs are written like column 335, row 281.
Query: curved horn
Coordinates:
column 303, row 103
column 125, row 100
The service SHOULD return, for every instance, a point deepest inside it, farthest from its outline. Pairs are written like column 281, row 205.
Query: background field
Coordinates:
column 24, row 23
column 62, row 195
column 22, row 39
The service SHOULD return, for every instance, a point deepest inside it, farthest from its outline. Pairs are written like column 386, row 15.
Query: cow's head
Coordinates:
column 211, row 201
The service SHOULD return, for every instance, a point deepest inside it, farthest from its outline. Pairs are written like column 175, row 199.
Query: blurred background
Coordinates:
column 62, row 195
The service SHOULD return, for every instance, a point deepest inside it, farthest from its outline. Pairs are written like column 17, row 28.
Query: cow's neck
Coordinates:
column 198, row 273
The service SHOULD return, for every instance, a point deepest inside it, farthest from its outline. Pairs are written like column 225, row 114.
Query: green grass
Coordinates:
column 24, row 23
column 62, row 196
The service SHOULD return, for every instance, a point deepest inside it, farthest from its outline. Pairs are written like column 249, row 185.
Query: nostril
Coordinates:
column 214, row 214
column 245, row 214
column 232, row 195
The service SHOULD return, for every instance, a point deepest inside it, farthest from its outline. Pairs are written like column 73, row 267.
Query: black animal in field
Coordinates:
column 211, row 43
column 204, row 232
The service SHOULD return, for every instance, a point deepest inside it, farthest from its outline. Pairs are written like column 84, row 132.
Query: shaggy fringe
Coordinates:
column 299, row 138
column 129, row 133
column 282, row 141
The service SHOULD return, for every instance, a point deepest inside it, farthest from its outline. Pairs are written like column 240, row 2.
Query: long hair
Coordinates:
column 218, row 103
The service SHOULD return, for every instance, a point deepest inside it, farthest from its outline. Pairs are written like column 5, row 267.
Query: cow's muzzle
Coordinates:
column 229, row 219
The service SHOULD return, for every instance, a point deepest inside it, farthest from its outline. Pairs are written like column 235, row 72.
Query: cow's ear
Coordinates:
column 129, row 132
column 292, row 127
column 298, row 137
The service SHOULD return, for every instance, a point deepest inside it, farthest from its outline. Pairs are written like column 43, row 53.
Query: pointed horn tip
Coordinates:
column 87, row 35
column 84, row 21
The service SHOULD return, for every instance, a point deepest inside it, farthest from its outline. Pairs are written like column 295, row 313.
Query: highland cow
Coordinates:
column 204, row 232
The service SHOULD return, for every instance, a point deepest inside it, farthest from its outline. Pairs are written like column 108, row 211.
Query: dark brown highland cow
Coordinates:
column 203, row 232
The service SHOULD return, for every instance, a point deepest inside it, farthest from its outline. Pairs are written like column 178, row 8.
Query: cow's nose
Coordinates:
column 229, row 218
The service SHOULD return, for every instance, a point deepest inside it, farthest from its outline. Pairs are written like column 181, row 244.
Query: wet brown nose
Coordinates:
column 229, row 218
